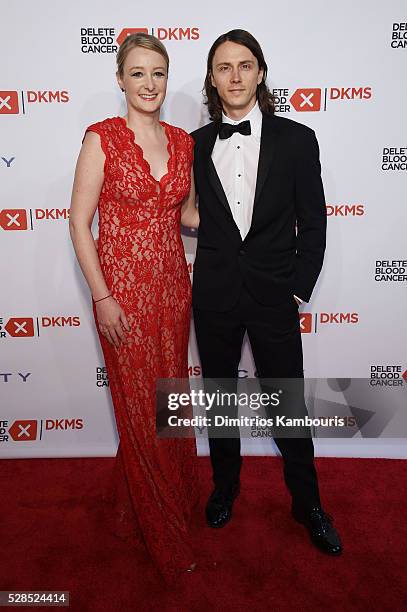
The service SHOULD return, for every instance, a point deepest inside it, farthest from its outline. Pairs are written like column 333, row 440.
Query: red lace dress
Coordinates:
column 154, row 485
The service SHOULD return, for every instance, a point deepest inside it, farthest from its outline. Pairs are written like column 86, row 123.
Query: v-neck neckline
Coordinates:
column 141, row 152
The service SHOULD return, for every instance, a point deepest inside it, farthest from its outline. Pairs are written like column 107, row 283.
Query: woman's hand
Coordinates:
column 112, row 321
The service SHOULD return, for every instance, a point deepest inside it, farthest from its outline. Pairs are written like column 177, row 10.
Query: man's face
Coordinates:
column 235, row 74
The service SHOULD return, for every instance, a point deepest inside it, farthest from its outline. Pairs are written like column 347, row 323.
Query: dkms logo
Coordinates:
column 315, row 99
column 30, row 430
column 312, row 323
column 15, row 102
column 345, row 210
column 20, row 219
column 107, row 40
column 29, row 327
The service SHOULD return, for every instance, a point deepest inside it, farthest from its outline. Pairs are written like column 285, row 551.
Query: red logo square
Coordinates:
column 23, row 431
column 13, row 219
column 306, row 100
column 9, row 103
column 306, row 322
column 20, row 327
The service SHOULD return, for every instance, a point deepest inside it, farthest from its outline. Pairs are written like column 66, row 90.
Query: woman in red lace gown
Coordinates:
column 137, row 170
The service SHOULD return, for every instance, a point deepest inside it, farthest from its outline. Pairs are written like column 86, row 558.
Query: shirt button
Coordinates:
column 238, row 147
column 239, row 175
column 242, row 252
column 238, row 202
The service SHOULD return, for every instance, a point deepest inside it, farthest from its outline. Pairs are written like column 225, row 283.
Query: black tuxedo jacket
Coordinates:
column 283, row 252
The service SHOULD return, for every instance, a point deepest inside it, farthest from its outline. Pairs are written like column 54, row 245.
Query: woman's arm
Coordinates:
column 89, row 176
column 86, row 189
column 189, row 210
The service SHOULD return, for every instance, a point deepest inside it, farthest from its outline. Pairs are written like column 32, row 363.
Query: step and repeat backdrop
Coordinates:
column 339, row 68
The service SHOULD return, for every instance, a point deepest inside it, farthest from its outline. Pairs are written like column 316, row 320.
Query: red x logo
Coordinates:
column 306, row 100
column 13, row 219
column 9, row 103
column 20, row 327
column 23, row 431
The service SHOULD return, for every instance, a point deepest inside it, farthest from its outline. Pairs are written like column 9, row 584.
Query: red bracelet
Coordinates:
column 104, row 298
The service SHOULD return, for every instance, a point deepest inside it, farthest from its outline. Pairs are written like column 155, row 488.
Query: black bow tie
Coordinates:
column 227, row 129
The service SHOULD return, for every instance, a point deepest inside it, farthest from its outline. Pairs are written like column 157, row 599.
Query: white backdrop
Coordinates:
column 338, row 67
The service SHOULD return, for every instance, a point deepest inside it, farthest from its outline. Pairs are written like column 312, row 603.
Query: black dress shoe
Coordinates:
column 219, row 506
column 321, row 530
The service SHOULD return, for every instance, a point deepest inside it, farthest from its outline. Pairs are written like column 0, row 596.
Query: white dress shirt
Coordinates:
column 236, row 160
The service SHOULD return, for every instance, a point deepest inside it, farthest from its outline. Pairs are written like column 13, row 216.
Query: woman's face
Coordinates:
column 144, row 80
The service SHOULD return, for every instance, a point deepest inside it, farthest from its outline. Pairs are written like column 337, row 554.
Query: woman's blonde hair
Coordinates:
column 146, row 41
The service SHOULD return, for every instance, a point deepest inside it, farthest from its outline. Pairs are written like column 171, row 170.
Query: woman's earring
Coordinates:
column 123, row 89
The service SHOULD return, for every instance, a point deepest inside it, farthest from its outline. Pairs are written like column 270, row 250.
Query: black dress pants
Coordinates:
column 275, row 339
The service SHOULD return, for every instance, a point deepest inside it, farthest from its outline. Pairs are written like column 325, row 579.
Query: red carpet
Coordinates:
column 52, row 539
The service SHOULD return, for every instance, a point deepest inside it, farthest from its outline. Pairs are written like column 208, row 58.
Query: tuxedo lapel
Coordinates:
column 268, row 144
column 213, row 176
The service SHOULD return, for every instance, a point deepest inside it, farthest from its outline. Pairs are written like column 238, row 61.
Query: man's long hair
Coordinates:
column 264, row 96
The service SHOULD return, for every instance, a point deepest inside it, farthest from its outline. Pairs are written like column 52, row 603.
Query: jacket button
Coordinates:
column 242, row 252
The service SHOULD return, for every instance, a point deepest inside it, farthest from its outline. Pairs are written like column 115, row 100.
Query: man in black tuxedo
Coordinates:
column 260, row 250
